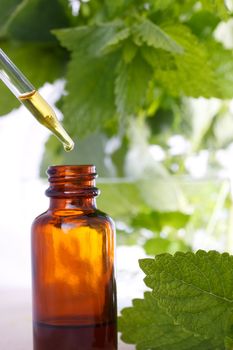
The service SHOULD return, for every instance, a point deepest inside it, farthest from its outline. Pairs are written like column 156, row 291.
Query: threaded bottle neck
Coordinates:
column 68, row 181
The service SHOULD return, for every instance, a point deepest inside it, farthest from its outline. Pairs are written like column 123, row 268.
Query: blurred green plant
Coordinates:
column 131, row 71
column 128, row 67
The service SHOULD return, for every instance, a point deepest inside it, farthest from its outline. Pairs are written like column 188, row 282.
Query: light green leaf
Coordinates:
column 195, row 290
column 161, row 4
column 222, row 62
column 120, row 197
column 156, row 246
column 154, row 36
column 160, row 245
column 189, row 78
column 89, row 104
column 217, row 7
column 150, row 327
column 126, row 199
column 131, row 85
column 88, row 40
column 26, row 56
column 158, row 59
column 155, row 220
column 213, row 6
column 114, row 7
column 116, row 40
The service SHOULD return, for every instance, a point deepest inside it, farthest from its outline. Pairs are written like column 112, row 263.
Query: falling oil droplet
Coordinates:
column 69, row 147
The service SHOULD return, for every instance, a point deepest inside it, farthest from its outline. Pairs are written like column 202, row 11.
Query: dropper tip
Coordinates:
column 69, row 147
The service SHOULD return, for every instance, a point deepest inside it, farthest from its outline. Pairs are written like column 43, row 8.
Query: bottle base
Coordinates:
column 91, row 337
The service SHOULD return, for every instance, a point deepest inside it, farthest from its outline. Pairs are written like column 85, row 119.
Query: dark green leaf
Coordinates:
column 8, row 8
column 203, row 23
column 36, row 18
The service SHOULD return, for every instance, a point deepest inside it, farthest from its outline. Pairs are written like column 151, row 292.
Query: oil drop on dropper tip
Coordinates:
column 32, row 100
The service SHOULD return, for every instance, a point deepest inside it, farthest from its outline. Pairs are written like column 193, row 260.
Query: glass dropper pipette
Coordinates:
column 31, row 98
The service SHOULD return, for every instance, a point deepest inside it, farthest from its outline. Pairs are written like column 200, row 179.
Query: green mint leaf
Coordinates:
column 116, row 40
column 154, row 36
column 189, row 78
column 158, row 59
column 132, row 84
column 195, row 290
column 88, row 40
column 89, row 104
column 150, row 327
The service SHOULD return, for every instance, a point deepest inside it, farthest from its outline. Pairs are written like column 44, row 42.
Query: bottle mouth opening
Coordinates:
column 71, row 169
column 72, row 180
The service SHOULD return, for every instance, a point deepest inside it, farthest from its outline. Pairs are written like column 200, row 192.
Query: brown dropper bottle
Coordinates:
column 73, row 281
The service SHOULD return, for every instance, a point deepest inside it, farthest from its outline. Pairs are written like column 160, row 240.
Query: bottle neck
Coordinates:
column 72, row 187
column 73, row 203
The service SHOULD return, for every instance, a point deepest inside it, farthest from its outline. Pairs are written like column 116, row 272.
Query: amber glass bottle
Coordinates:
column 73, row 281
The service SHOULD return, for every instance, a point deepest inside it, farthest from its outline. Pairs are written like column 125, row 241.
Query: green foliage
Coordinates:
column 181, row 81
column 154, row 36
column 150, row 327
column 130, row 97
column 128, row 199
column 90, row 103
column 122, row 54
column 155, row 221
column 213, row 6
column 161, row 245
column 190, row 307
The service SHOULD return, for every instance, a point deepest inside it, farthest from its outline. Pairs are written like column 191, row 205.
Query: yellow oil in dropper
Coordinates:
column 42, row 111
column 32, row 100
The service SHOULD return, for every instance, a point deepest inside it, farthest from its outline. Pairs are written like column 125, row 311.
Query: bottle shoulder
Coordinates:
column 74, row 217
